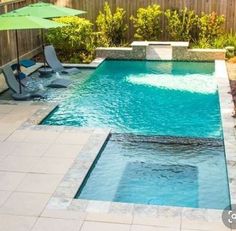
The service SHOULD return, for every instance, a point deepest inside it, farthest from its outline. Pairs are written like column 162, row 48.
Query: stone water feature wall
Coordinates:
column 134, row 52
column 140, row 50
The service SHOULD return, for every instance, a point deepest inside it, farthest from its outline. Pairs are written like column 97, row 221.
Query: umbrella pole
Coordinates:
column 18, row 62
column 17, row 52
column 44, row 60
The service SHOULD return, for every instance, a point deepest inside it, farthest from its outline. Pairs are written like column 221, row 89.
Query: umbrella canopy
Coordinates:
column 47, row 10
column 11, row 21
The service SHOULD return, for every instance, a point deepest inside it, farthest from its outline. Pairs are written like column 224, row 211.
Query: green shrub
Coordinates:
column 203, row 43
column 181, row 24
column 75, row 42
column 111, row 27
column 226, row 40
column 147, row 23
column 210, row 28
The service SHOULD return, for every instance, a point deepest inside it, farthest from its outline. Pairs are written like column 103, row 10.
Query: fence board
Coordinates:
column 225, row 7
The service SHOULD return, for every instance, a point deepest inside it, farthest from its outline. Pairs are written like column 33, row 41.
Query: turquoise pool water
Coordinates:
column 166, row 147
column 133, row 170
column 151, row 98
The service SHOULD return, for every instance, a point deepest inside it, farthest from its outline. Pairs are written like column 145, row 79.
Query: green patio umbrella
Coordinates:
column 47, row 10
column 10, row 21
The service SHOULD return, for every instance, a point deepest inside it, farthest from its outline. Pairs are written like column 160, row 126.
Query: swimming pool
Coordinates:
column 141, row 97
column 166, row 146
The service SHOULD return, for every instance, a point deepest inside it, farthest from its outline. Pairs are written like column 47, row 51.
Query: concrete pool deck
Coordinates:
column 41, row 168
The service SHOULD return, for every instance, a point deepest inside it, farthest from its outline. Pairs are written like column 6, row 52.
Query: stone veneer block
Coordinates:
column 140, row 50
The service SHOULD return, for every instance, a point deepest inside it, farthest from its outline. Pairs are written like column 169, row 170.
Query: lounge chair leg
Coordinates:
column 21, row 97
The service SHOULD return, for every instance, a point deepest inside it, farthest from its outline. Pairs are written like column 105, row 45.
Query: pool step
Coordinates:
column 168, row 140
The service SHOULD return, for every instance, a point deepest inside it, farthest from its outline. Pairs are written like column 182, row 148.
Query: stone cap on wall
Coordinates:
column 207, row 50
column 115, row 48
column 170, row 43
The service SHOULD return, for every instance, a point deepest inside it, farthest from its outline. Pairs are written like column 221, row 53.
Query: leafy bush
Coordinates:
column 147, row 23
column 181, row 24
column 210, row 28
column 75, row 42
column 111, row 27
column 226, row 40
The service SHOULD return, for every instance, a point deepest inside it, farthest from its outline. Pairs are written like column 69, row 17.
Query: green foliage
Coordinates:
column 226, row 40
column 147, row 23
column 181, row 24
column 75, row 42
column 221, row 42
column 210, row 28
column 111, row 27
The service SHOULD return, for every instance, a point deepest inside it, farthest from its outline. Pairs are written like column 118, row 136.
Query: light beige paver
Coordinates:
column 40, row 183
column 201, row 230
column 143, row 228
column 63, row 214
column 158, row 216
column 18, row 164
column 51, row 224
column 7, row 128
column 73, row 138
column 10, row 180
column 63, row 150
column 100, row 226
column 26, row 204
column 110, row 218
column 7, row 148
column 41, row 137
column 202, row 219
column 171, row 222
column 3, row 137
column 203, row 225
column 16, row 223
column 18, row 136
column 52, row 165
column 4, row 196
column 6, row 109
column 29, row 149
column 151, row 228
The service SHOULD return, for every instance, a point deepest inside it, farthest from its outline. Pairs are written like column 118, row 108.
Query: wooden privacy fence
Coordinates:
column 225, row 7
column 30, row 39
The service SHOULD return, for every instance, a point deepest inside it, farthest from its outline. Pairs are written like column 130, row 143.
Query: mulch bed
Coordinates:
column 233, row 92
